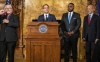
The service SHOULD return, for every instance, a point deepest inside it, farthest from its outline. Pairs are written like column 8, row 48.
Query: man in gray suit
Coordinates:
column 70, row 24
column 8, row 37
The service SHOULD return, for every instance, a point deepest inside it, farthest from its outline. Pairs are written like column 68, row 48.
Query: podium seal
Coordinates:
column 43, row 28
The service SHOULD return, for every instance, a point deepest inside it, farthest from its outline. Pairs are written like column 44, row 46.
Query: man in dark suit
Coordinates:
column 70, row 23
column 90, row 31
column 8, row 37
column 46, row 17
column 96, row 50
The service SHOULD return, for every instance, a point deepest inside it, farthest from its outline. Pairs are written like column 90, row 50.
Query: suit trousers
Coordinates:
column 70, row 45
column 96, row 52
column 89, row 50
column 7, row 47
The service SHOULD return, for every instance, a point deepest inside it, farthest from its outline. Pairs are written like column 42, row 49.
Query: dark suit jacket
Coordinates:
column 51, row 17
column 74, row 23
column 9, row 31
column 91, row 31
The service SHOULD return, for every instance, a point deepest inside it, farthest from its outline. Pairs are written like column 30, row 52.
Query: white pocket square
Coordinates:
column 74, row 18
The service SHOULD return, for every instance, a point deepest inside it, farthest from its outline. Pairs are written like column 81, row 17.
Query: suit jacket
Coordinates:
column 51, row 17
column 74, row 25
column 91, row 31
column 9, row 31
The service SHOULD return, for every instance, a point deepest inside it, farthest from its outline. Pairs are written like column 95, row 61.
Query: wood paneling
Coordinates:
column 33, row 8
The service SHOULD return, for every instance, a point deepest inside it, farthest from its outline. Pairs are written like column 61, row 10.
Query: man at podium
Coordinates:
column 46, row 16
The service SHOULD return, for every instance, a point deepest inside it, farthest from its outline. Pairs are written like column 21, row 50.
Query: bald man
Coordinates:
column 8, row 36
column 90, row 31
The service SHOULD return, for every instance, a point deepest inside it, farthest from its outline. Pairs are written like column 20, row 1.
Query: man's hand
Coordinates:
column 70, row 33
column 1, row 12
column 5, row 21
column 96, row 40
column 84, row 40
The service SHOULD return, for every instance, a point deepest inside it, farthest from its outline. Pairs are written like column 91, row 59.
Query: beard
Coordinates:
column 70, row 10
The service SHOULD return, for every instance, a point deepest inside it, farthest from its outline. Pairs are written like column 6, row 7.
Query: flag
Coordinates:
column 98, row 7
column 8, row 2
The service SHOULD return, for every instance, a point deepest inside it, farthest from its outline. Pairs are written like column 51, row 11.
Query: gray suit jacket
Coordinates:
column 74, row 25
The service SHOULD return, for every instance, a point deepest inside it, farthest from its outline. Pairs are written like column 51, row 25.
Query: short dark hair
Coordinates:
column 71, row 4
column 45, row 5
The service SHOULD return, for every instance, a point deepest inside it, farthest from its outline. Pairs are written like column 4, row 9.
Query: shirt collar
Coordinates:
column 91, row 14
column 71, row 12
column 46, row 14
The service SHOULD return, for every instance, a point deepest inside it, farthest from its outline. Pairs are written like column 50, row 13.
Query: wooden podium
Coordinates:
column 42, row 42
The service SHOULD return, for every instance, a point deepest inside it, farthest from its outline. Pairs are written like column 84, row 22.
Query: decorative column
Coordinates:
column 18, row 6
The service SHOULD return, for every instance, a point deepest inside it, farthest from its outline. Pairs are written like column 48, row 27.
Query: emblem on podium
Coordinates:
column 43, row 28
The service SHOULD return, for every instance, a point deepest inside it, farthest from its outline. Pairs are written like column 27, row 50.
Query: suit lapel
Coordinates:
column 10, row 17
column 92, row 19
column 87, row 19
column 67, row 21
column 43, row 19
column 72, row 17
column 49, row 17
column 67, row 18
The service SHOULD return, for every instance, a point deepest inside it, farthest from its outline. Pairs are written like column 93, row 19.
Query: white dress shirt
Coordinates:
column 46, row 15
column 91, row 16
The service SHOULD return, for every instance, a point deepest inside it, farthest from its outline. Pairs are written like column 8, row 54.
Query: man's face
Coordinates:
column 8, row 9
column 70, row 7
column 90, row 9
column 46, row 9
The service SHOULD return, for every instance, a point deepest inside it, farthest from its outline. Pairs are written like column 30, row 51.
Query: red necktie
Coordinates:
column 88, row 19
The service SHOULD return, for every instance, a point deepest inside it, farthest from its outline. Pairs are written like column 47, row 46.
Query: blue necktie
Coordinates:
column 69, row 18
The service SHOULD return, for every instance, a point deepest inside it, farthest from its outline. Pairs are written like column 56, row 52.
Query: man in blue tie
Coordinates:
column 70, row 24
column 46, row 16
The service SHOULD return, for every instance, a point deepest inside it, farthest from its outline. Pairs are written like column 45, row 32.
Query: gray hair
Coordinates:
column 7, row 5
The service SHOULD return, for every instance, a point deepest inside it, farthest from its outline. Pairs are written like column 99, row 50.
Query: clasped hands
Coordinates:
column 70, row 33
